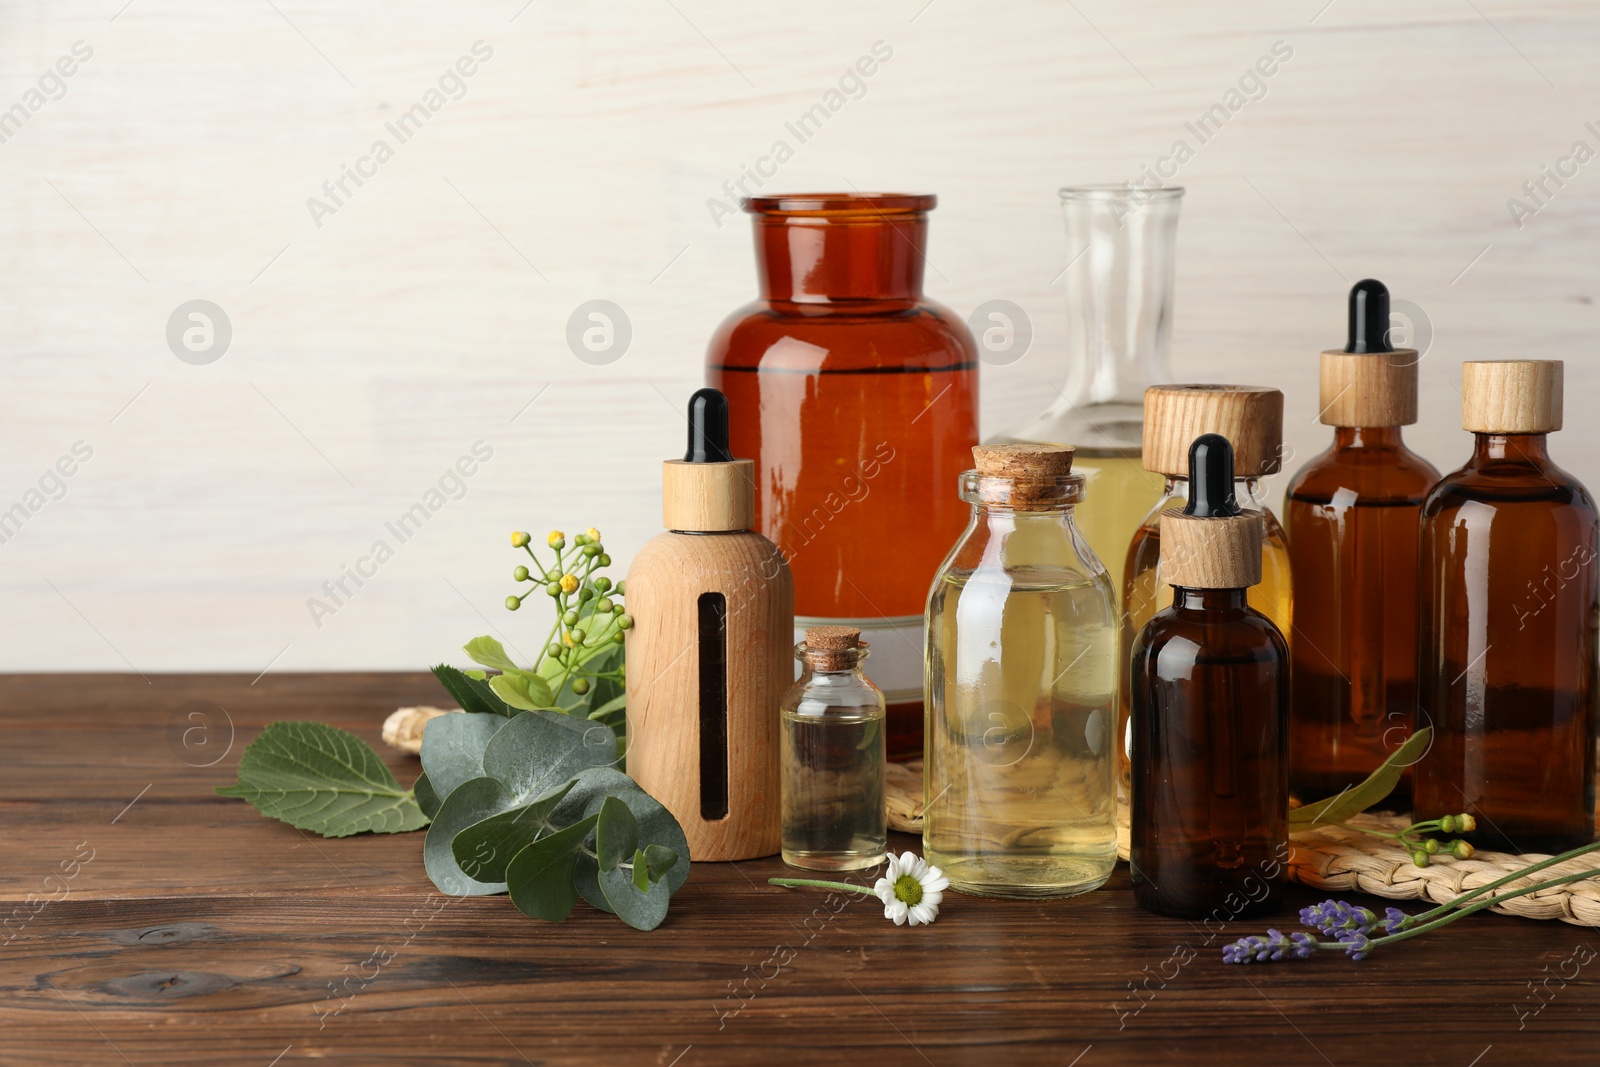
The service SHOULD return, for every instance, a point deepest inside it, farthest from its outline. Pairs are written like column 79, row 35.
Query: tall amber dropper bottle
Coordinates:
column 1351, row 518
column 1509, row 601
column 1210, row 691
column 1251, row 418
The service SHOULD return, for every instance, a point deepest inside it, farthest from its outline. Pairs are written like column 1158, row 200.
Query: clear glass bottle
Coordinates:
column 1021, row 688
column 834, row 818
column 1510, row 600
column 1251, row 417
column 1210, row 684
column 1119, row 281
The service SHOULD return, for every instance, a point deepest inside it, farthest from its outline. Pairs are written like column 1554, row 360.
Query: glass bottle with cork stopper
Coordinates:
column 834, row 818
column 1506, row 670
column 1210, row 687
column 1351, row 518
column 1021, row 683
column 1251, row 418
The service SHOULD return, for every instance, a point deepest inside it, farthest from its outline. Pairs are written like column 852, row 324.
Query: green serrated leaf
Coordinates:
column 427, row 799
column 319, row 778
column 473, row 694
column 453, row 746
column 489, row 845
column 523, row 690
column 470, row 802
column 1378, row 785
column 616, row 834
column 541, row 875
column 488, row 652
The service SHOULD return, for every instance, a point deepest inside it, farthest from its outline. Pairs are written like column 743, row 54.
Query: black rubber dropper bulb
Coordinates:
column 708, row 428
column 1369, row 317
column 1211, row 478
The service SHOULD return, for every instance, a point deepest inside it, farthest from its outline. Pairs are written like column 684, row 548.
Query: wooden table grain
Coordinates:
column 152, row 922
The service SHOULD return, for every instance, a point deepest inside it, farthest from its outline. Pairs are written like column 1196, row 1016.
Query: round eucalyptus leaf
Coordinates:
column 453, row 746
column 470, row 802
column 539, row 751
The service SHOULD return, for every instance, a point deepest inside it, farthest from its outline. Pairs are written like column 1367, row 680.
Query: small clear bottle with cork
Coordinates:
column 834, row 818
column 1021, row 677
column 1510, row 597
column 1210, row 689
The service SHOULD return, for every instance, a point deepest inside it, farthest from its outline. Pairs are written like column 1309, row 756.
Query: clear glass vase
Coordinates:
column 1119, row 308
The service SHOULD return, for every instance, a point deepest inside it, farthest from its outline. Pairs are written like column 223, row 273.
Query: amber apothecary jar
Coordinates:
column 857, row 398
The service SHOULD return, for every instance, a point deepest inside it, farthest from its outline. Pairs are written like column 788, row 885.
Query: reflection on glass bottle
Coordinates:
column 1210, row 684
column 1510, row 599
column 834, row 817
column 1119, row 311
column 1251, row 417
column 1021, row 678
column 1351, row 516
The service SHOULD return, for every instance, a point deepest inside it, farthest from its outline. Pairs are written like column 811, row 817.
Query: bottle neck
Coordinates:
column 1367, row 437
column 818, row 259
column 1209, row 599
column 1523, row 449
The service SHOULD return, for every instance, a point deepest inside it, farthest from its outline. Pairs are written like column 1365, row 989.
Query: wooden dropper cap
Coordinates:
column 708, row 491
column 1370, row 383
column 1035, row 477
column 1249, row 416
column 1211, row 543
column 1511, row 396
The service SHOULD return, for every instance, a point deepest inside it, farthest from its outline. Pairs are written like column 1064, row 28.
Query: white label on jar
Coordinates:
column 894, row 660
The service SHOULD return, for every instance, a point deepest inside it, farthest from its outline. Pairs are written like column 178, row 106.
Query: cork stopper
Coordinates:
column 1250, row 416
column 833, row 648
column 1026, row 477
column 1210, row 543
column 708, row 491
column 1511, row 396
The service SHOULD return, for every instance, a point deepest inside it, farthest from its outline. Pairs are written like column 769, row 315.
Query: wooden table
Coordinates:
column 194, row 931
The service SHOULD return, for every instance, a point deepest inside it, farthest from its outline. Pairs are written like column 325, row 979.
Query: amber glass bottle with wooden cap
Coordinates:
column 709, row 651
column 1509, row 605
column 857, row 398
column 1210, row 686
column 1021, row 677
column 834, row 817
column 1251, row 418
column 1351, row 518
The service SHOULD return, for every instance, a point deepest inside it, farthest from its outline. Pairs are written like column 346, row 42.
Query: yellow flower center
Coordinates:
column 908, row 890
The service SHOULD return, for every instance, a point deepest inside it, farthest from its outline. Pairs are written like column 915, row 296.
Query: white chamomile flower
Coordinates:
column 911, row 890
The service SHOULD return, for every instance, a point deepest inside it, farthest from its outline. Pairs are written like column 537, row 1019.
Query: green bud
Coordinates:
column 570, row 618
column 622, row 588
column 586, row 593
column 625, row 622
column 577, row 637
column 1430, row 846
column 618, row 638
column 604, row 560
column 553, row 588
column 591, row 550
column 602, row 584
column 580, row 539
column 1448, row 824
column 1420, row 858
column 519, row 539
column 520, row 574
column 604, row 605
column 513, row 603
column 580, row 686
column 555, row 650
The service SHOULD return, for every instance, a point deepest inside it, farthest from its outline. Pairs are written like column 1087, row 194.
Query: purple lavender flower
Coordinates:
column 1269, row 949
column 1394, row 920
column 1355, row 944
column 1335, row 916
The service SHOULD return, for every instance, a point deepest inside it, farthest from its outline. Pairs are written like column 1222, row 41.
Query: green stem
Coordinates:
column 1512, row 877
column 818, row 884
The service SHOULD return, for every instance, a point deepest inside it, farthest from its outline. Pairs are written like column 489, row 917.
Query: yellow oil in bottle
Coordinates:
column 1144, row 593
column 1022, row 682
column 1118, row 494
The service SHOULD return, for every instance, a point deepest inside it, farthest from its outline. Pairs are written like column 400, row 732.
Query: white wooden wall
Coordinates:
column 371, row 352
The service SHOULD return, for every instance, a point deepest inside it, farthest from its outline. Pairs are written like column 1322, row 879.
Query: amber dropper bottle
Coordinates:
column 1352, row 520
column 1509, row 604
column 1210, row 681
